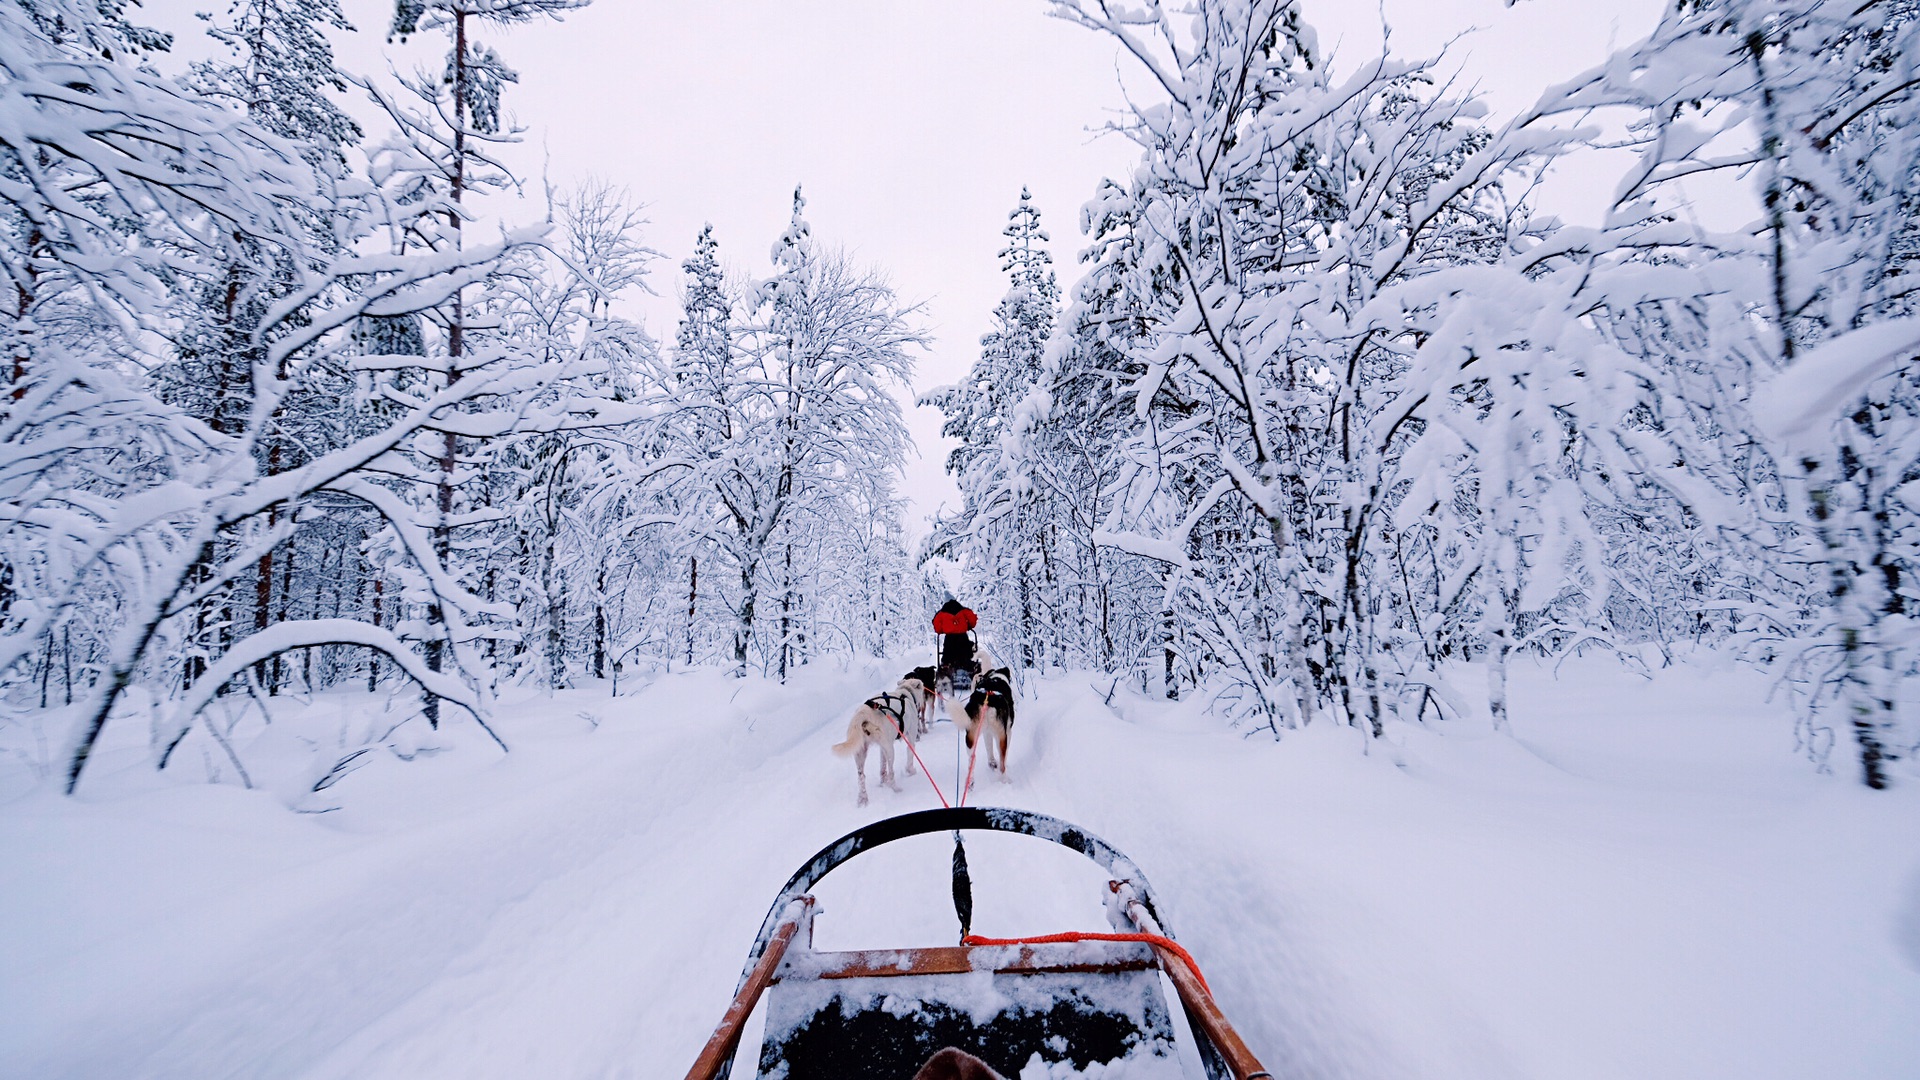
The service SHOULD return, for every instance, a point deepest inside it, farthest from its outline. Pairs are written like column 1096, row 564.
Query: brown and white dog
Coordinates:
column 880, row 722
column 988, row 715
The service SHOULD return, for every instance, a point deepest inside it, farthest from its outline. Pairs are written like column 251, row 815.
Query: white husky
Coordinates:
column 881, row 721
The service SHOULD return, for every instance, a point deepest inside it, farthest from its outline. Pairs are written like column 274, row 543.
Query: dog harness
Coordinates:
column 882, row 702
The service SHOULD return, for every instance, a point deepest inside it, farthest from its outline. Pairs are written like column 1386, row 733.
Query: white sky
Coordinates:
column 912, row 124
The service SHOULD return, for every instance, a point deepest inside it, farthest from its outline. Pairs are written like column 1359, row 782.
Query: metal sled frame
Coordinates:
column 817, row 1028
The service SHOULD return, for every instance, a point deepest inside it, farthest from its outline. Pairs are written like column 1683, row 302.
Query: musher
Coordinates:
column 954, row 624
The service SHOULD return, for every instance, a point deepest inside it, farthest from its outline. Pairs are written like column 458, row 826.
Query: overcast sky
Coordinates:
column 912, row 125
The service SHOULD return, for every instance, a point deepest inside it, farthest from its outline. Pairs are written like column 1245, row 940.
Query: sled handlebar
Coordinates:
column 953, row 819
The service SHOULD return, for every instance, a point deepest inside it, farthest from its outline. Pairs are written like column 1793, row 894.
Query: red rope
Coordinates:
column 1159, row 940
column 973, row 755
column 916, row 756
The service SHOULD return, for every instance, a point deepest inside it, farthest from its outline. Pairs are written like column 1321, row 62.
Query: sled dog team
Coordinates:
column 903, row 711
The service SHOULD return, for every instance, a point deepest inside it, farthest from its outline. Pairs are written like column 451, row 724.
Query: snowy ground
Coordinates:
column 1643, row 881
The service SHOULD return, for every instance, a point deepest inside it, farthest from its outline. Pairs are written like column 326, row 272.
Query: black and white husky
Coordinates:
column 988, row 714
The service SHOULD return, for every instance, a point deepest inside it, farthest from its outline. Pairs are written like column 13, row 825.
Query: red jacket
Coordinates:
column 946, row 622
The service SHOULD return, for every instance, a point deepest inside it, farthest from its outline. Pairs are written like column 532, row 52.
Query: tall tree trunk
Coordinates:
column 360, row 604
column 1024, row 589
column 195, row 664
column 693, row 600
column 1869, row 707
column 263, row 599
column 1356, row 630
column 556, row 592
column 1051, row 600
column 456, row 347
column 786, row 612
column 1169, row 655
column 1499, row 643
column 1293, row 616
column 267, row 672
column 600, row 623
column 46, row 669
column 26, row 290
column 373, row 656
column 743, row 633
column 285, row 610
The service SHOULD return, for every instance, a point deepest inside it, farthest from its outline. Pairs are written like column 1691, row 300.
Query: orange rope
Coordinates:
column 1158, row 940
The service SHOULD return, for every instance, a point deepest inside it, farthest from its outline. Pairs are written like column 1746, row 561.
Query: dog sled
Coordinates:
column 1070, row 1002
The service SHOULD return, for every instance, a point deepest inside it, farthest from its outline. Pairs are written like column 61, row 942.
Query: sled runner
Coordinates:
column 1078, row 999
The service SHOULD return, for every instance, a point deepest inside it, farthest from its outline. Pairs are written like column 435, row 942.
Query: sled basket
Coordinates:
column 880, row 1014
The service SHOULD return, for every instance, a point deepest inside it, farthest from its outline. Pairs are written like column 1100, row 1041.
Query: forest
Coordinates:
column 1332, row 421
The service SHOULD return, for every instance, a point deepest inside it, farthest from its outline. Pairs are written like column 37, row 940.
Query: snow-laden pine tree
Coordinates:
column 1002, row 533
column 280, row 73
column 706, row 433
column 780, row 411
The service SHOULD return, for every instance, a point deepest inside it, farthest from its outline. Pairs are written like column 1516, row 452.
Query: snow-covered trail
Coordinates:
column 1640, row 897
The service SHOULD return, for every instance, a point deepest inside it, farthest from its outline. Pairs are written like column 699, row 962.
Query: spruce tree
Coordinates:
column 1001, row 532
column 281, row 72
column 703, row 364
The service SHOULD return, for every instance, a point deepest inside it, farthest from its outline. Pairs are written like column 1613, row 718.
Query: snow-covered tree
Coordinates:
column 709, row 427
column 440, row 156
column 1331, row 279
column 558, row 488
column 780, row 410
column 1783, row 403
column 125, row 195
column 280, row 72
column 1001, row 532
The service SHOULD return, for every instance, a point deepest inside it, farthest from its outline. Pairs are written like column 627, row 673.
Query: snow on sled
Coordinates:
column 1068, row 1002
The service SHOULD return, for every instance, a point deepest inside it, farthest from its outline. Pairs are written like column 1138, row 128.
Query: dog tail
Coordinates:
column 957, row 713
column 854, row 735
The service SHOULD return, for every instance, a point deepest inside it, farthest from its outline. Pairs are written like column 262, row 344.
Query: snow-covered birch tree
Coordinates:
column 1327, row 271
column 1784, row 409
column 122, row 193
